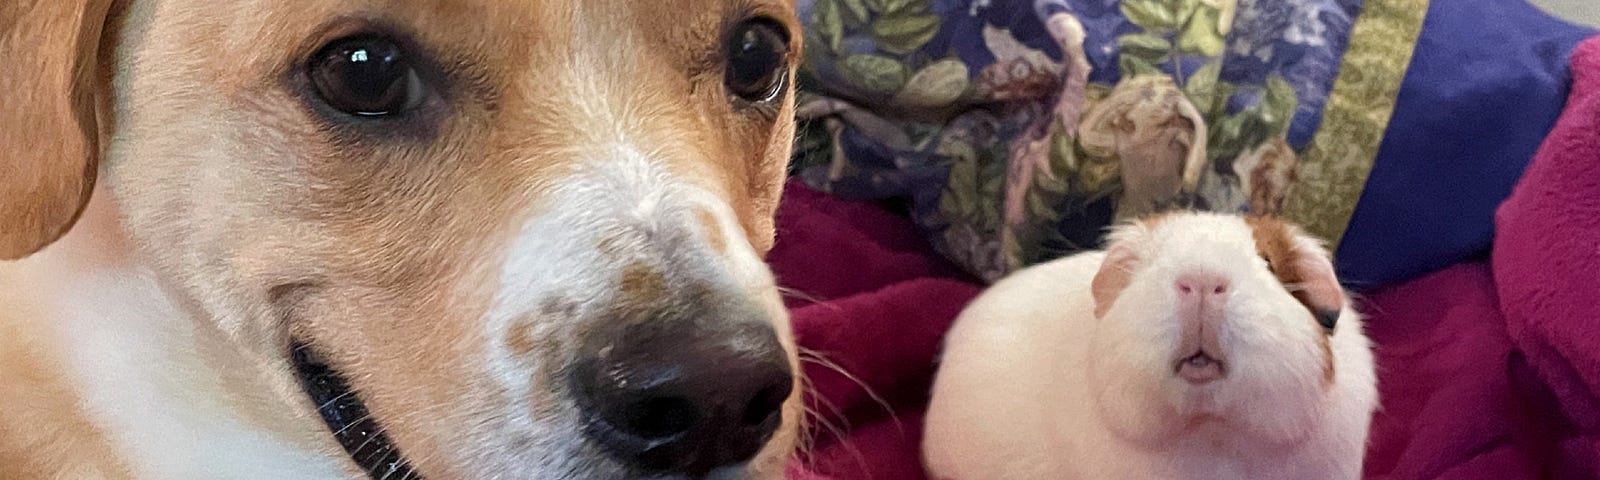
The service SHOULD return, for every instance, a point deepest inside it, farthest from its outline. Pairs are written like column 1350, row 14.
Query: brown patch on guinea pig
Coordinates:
column 1275, row 242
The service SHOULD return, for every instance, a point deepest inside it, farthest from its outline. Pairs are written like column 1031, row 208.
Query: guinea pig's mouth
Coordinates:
column 348, row 420
column 1201, row 367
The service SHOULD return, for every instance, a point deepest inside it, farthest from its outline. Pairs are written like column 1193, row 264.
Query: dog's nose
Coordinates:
column 686, row 406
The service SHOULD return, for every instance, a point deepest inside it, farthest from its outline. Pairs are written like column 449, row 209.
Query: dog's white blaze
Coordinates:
column 623, row 197
column 742, row 260
column 129, row 352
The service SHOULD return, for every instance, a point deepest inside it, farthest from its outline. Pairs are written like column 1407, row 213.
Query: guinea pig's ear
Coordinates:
column 1113, row 277
column 53, row 109
column 1318, row 285
column 1302, row 266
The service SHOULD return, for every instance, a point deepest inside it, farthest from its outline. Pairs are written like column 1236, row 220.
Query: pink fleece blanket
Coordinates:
column 1463, row 397
column 1547, row 263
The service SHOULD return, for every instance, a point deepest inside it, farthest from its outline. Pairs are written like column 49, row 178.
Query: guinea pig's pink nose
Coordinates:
column 1201, row 286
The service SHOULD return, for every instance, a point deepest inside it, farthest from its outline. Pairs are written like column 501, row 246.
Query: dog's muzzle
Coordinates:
column 669, row 396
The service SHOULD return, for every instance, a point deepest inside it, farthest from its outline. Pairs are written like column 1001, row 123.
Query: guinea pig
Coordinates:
column 1196, row 346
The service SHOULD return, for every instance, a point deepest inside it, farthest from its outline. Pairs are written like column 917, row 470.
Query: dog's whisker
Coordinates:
column 393, row 467
column 330, row 402
column 816, row 358
column 809, row 434
column 811, row 300
column 806, row 450
column 808, row 438
column 825, row 423
column 787, row 292
column 347, row 426
column 837, row 412
column 807, row 391
column 847, row 444
column 364, row 443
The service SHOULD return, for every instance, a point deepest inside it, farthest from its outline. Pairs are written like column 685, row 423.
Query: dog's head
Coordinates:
column 491, row 238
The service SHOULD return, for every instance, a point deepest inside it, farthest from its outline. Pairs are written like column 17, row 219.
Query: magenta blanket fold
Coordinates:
column 870, row 303
column 1547, row 264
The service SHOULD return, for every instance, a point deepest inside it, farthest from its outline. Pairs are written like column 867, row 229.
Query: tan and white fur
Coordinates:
column 179, row 211
column 1191, row 348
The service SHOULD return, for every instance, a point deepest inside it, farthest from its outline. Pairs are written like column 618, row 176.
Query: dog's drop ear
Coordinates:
column 1116, row 271
column 53, row 110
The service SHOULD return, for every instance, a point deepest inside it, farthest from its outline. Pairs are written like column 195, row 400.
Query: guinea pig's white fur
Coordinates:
column 1035, row 384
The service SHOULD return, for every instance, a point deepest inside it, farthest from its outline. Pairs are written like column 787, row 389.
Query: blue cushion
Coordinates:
column 1487, row 80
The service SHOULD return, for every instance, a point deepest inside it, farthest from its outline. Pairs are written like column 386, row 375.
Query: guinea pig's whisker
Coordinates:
column 1364, row 304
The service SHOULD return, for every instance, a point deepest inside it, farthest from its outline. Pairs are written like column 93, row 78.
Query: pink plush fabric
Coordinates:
column 1458, row 402
column 870, row 302
column 1452, row 405
column 1547, row 263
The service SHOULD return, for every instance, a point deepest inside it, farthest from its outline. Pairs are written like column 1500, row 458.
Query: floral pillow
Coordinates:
column 1019, row 129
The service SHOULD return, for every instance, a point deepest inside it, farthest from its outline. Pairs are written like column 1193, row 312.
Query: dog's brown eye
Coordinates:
column 757, row 54
column 366, row 76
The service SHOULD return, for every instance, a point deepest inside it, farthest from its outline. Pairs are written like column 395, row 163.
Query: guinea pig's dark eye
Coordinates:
column 368, row 76
column 757, row 53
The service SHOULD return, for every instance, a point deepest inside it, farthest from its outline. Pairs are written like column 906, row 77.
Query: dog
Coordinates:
column 443, row 239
